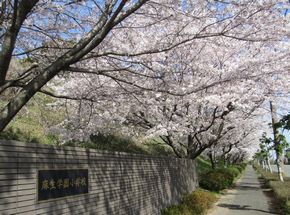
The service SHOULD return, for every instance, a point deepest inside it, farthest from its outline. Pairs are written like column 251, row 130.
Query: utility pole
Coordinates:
column 277, row 147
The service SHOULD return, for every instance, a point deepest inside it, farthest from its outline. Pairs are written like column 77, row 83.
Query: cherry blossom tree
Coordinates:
column 117, row 39
column 242, row 139
column 204, row 108
column 52, row 25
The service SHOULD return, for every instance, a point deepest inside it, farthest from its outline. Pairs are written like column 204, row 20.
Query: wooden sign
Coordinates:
column 54, row 184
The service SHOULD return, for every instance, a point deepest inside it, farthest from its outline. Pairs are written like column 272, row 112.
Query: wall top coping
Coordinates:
column 42, row 147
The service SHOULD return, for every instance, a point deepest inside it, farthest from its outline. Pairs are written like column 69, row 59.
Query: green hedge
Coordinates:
column 234, row 171
column 216, row 180
column 219, row 179
column 241, row 166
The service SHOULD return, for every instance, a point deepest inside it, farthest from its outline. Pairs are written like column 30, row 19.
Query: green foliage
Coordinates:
column 195, row 203
column 218, row 179
column 281, row 189
column 27, row 60
column 177, row 210
column 241, row 167
column 229, row 174
column 199, row 201
column 286, row 207
column 284, row 123
column 287, row 155
column 109, row 142
column 282, row 143
column 157, row 147
column 16, row 134
column 32, row 123
column 202, row 165
column 234, row 171
column 265, row 140
column 266, row 174
column 118, row 143
column 265, row 146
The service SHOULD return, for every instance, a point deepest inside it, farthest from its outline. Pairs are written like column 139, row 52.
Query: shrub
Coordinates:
column 234, row 171
column 176, row 210
column 199, row 201
column 244, row 165
column 229, row 174
column 217, row 180
column 240, row 168
column 195, row 203
column 286, row 207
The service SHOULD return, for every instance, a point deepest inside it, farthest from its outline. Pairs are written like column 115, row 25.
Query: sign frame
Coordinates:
column 61, row 197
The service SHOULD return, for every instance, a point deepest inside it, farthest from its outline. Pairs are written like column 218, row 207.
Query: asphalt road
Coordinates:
column 247, row 198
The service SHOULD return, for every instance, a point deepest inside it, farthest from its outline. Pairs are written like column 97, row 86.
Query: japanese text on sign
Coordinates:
column 61, row 183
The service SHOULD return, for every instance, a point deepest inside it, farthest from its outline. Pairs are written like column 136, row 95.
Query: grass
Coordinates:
column 32, row 122
column 119, row 143
column 280, row 189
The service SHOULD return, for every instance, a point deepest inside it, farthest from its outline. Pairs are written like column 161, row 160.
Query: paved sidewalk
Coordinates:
column 246, row 199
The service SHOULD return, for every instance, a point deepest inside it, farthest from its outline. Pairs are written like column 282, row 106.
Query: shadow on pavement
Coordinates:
column 245, row 187
column 243, row 207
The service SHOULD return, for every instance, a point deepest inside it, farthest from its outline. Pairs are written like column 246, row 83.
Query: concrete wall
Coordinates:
column 119, row 183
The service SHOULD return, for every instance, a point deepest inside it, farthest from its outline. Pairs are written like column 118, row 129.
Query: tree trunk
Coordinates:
column 212, row 160
column 15, row 105
column 20, row 11
column 268, row 164
column 225, row 161
column 279, row 160
column 263, row 164
column 107, row 21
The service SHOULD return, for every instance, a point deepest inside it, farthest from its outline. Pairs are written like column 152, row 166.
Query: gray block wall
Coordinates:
column 119, row 183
